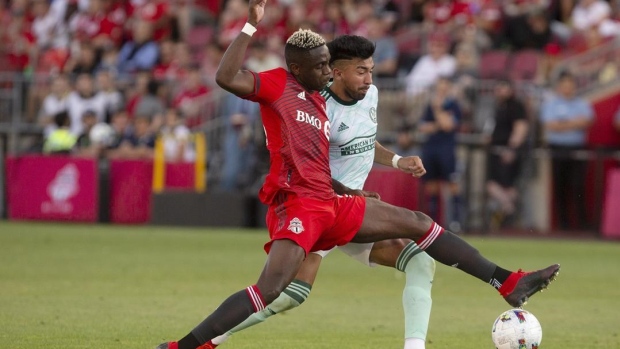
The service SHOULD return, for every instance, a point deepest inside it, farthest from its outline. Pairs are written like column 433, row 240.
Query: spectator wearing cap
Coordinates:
column 438, row 62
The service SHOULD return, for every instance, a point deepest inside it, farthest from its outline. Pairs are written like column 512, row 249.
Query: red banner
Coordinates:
column 611, row 210
column 131, row 184
column 52, row 188
column 130, row 191
column 395, row 187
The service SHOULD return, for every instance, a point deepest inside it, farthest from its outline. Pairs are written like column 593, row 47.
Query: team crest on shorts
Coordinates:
column 373, row 114
column 296, row 226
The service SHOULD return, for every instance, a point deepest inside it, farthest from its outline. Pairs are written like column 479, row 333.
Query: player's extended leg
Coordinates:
column 419, row 269
column 292, row 296
column 283, row 263
column 383, row 221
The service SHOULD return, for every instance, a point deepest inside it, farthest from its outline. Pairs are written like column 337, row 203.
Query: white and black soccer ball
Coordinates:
column 102, row 134
column 516, row 329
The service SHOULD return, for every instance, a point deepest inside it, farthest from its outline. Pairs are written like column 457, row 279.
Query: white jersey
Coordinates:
column 352, row 137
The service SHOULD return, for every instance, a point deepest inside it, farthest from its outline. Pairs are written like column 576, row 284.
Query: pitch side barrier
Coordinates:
column 534, row 184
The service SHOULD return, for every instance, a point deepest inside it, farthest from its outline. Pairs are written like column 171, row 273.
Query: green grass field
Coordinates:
column 101, row 286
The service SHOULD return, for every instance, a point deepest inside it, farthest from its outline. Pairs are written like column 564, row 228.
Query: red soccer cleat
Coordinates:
column 207, row 345
column 168, row 345
column 520, row 286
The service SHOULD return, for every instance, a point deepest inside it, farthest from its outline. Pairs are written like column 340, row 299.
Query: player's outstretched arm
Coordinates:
column 409, row 164
column 229, row 75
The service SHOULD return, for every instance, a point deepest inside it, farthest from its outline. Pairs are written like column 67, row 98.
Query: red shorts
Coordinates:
column 316, row 225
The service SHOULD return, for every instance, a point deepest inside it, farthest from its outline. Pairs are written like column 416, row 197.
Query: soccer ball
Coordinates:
column 101, row 134
column 516, row 329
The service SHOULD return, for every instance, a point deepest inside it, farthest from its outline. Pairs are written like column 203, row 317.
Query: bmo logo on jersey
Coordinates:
column 302, row 116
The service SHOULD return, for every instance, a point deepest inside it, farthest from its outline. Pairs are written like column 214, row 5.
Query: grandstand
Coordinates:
column 147, row 68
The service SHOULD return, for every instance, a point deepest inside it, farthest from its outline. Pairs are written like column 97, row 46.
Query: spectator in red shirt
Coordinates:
column 191, row 100
column 156, row 12
column 164, row 70
column 17, row 39
column 446, row 14
column 95, row 26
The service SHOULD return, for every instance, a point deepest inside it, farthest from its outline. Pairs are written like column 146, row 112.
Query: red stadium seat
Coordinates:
column 524, row 65
column 494, row 64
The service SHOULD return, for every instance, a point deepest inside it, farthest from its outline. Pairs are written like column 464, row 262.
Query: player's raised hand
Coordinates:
column 413, row 165
column 257, row 11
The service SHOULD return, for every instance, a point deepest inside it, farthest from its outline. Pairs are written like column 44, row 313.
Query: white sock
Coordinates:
column 414, row 343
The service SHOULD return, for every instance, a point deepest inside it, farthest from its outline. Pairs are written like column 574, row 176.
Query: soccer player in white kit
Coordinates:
column 351, row 103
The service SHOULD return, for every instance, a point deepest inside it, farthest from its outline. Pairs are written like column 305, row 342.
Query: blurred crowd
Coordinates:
column 109, row 76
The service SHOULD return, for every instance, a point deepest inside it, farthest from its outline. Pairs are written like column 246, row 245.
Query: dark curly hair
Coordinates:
column 350, row 47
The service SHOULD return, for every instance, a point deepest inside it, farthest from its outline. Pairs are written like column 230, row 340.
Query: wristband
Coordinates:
column 395, row 159
column 248, row 29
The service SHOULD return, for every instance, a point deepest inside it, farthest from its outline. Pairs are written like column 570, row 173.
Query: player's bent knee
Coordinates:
column 422, row 217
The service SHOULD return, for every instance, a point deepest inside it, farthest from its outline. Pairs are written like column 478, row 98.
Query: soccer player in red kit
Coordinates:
column 305, row 213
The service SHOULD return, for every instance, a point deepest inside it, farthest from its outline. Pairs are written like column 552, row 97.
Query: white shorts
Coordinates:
column 359, row 252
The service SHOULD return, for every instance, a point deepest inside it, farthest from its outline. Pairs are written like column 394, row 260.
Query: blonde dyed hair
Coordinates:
column 305, row 39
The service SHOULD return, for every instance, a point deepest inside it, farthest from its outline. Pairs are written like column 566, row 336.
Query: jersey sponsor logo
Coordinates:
column 342, row 127
column 373, row 114
column 358, row 145
column 302, row 95
column 302, row 116
column 296, row 226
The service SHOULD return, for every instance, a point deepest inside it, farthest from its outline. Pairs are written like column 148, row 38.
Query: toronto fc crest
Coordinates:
column 296, row 226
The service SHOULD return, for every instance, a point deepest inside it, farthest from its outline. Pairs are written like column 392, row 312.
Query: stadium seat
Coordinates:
column 524, row 65
column 494, row 64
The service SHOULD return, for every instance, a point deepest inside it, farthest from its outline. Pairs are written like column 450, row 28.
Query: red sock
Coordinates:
column 509, row 285
column 257, row 299
column 431, row 235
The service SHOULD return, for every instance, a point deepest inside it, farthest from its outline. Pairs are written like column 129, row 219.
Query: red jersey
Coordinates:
column 297, row 131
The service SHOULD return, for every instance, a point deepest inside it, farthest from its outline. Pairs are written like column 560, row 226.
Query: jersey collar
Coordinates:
column 337, row 99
